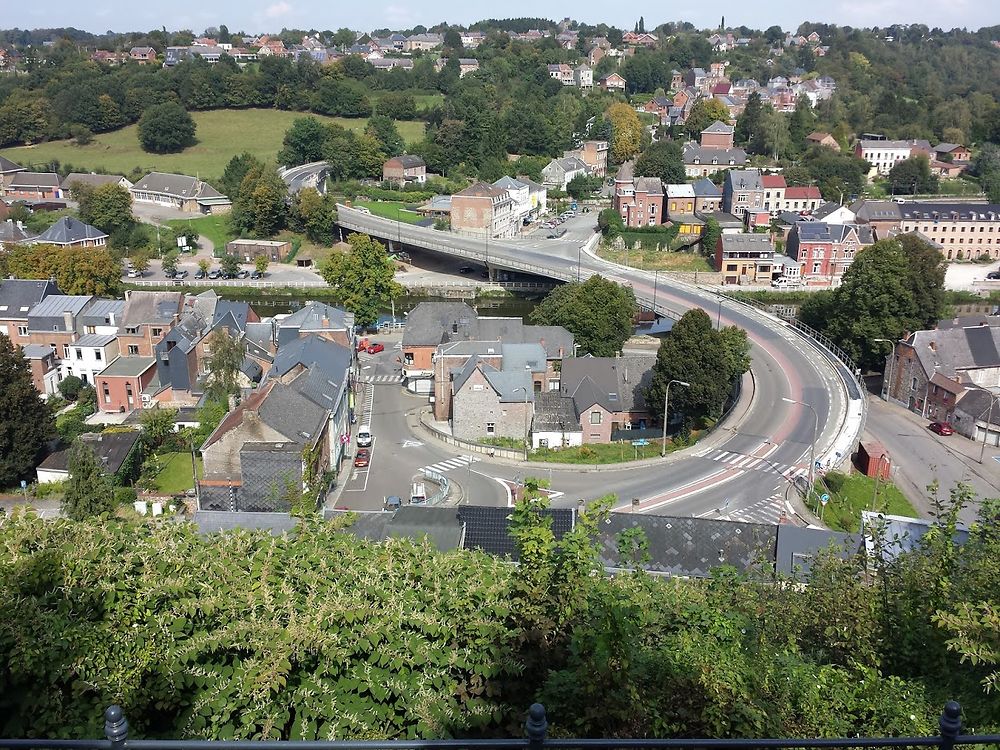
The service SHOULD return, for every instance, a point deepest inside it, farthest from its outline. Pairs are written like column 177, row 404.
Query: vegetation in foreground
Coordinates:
column 318, row 634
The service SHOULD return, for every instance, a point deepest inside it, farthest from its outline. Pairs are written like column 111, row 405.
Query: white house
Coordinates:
column 520, row 193
column 89, row 355
column 883, row 155
column 583, row 75
column 559, row 173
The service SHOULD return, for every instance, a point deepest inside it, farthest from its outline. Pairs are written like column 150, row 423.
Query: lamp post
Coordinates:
column 888, row 380
column 526, row 391
column 656, row 276
column 666, row 403
column 579, row 260
column 812, row 446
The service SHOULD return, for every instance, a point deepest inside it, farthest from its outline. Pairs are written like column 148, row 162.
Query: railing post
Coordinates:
column 950, row 724
column 536, row 726
column 116, row 727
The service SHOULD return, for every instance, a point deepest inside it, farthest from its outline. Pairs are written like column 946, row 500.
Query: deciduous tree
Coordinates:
column 303, row 143
column 362, row 277
column 663, row 159
column 25, row 422
column 224, row 361
column 703, row 114
column 107, row 207
column 626, row 132
column 166, row 128
column 88, row 490
column 598, row 312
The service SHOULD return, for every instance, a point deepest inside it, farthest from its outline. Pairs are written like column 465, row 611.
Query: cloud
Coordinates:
column 276, row 10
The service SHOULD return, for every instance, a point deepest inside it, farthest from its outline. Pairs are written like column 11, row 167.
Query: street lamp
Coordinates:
column 888, row 380
column 656, row 276
column 526, row 391
column 666, row 403
column 812, row 446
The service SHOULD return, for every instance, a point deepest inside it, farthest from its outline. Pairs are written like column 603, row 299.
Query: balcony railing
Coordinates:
column 535, row 738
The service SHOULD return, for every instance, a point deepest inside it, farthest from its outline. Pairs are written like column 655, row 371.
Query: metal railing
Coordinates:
column 116, row 737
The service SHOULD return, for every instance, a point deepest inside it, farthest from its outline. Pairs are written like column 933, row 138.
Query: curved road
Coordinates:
column 752, row 462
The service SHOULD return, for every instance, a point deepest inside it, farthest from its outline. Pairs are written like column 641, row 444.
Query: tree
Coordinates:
column 703, row 114
column 107, row 207
column 203, row 265
column 224, row 361
column 77, row 270
column 166, row 128
column 170, row 261
column 70, row 387
column 363, row 278
column 261, row 263
column 303, row 143
column 453, row 40
column 925, row 270
column 88, row 491
column 397, row 105
column 383, row 129
column 710, row 236
column 583, row 186
column 626, row 132
column 695, row 353
column 140, row 261
column 341, row 98
column 260, row 208
column 598, row 312
column 25, row 423
column 748, row 124
column 236, row 170
column 913, row 175
column 229, row 264
column 663, row 159
column 315, row 214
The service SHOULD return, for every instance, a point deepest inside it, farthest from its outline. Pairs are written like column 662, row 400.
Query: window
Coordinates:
column 553, row 385
column 132, row 330
column 107, row 393
column 66, row 349
column 79, row 353
column 132, row 349
column 595, row 417
column 491, row 428
column 157, row 331
column 543, row 442
column 128, row 394
column 817, row 268
column 22, row 330
column 97, row 354
column 913, row 384
column 91, row 329
column 477, row 387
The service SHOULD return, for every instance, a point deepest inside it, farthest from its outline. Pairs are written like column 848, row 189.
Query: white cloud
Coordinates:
column 276, row 10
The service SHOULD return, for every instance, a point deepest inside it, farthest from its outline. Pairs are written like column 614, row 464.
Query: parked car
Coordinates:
column 199, row 274
column 393, row 502
column 242, row 273
column 362, row 457
column 375, row 348
column 993, row 275
column 215, row 273
column 941, row 428
column 364, row 436
column 182, row 274
column 784, row 282
column 170, row 274
column 255, row 274
column 134, row 273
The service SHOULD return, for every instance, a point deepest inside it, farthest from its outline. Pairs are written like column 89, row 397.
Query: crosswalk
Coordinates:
column 768, row 510
column 459, row 462
column 753, row 463
column 385, row 379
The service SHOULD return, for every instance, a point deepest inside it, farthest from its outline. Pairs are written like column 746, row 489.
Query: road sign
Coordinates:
column 23, row 484
column 640, row 443
column 824, row 498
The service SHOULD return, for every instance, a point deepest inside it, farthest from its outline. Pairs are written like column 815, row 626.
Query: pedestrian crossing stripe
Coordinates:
column 452, row 463
column 753, row 463
column 378, row 379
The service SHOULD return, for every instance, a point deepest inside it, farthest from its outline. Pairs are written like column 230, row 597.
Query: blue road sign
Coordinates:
column 640, row 443
column 824, row 498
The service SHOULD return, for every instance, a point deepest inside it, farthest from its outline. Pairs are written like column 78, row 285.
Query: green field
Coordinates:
column 851, row 495
column 175, row 473
column 656, row 260
column 394, row 210
column 215, row 228
column 221, row 135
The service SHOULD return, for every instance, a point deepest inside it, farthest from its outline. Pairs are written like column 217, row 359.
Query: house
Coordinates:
column 774, row 192
column 701, row 162
column 594, row 154
column 953, row 152
column 404, row 169
column 70, row 232
column 833, row 213
column 262, row 453
column 55, row 322
column 537, row 195
column 638, row 200
column 595, row 55
column 32, row 186
column 802, row 198
column 13, row 233
column 112, row 449
column 250, row 250
column 484, row 210
column 93, row 181
column 707, row 196
column 743, row 192
column 328, row 322
column 558, row 173
column 520, row 194
column 612, row 82
column 89, row 355
column 640, row 39
column 607, row 394
column 423, row 42
column 825, row 250
column 583, row 76
column 44, row 366
column 145, row 320
column 7, row 170
column 963, row 230
column 101, row 316
column 389, row 63
column 745, row 258
column 718, row 135
column 188, row 194
column 883, row 217
column 659, row 106
column 696, row 78
column 17, row 298
column 142, row 55
column 491, row 403
column 561, row 72
column 818, row 138
column 680, row 199
column 127, row 384
column 883, row 155
column 472, row 39
column 467, row 65
column 109, row 58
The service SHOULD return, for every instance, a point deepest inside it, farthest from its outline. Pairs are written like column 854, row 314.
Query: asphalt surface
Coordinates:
column 746, row 476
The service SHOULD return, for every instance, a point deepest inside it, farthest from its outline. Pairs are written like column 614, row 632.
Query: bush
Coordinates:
column 166, row 128
column 835, row 480
column 70, row 387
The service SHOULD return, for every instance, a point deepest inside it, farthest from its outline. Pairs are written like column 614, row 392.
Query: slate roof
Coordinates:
column 648, row 185
column 719, row 127
column 33, row 180
column 18, row 296
column 705, row 188
column 744, row 179
column 428, row 322
column 37, row 351
column 12, row 233
column 68, row 231
column 102, row 312
column 957, row 349
column 487, row 528
column 177, row 186
column 615, row 383
column 95, row 339
column 151, row 308
column 826, row 209
column 512, row 386
column 509, row 183
column 216, row 521
column 732, row 243
column 55, row 305
column 91, row 179
column 232, row 314
column 866, row 210
column 311, row 317
column 7, row 166
column 689, row 546
column 949, row 211
column 626, row 172
column 327, row 364
column 530, row 357
column 292, row 414
column 820, row 231
column 554, row 413
column 260, row 334
column 407, row 161
column 111, row 449
column 481, row 190
column 570, row 163
column 708, row 155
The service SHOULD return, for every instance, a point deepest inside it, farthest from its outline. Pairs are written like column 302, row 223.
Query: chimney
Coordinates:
column 932, row 345
column 454, row 326
column 68, row 320
column 326, row 322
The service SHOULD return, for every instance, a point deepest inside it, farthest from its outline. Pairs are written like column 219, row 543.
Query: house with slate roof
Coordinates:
column 404, row 169
column 17, row 297
column 7, row 170
column 488, row 402
column 70, row 232
column 112, row 450
column 179, row 191
column 558, row 173
column 327, row 321
column 32, row 186
column 826, row 250
column 14, row 233
column 93, row 180
column 55, row 321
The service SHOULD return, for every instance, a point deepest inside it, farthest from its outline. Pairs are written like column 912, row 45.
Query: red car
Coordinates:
column 941, row 428
column 375, row 348
column 362, row 457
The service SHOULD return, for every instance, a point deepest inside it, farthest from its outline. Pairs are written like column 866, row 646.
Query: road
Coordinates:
column 749, row 471
column 306, row 175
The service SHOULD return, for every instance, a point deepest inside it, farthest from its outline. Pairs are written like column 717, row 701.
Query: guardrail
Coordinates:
column 443, row 486
column 258, row 284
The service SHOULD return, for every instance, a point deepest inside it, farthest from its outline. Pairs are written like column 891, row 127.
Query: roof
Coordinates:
column 18, row 296
column 151, row 308
column 554, row 413
column 481, row 190
column 427, row 322
column 705, row 188
column 34, row 179
column 13, row 232
column 407, row 161
column 746, row 243
column 616, row 384
column 682, row 190
column 102, row 310
column 950, row 211
column 512, row 386
column 128, row 367
column 804, row 192
column 55, row 305
column 488, row 528
column 827, row 209
column 569, row 163
column 215, row 521
column 94, row 180
column 68, row 230
column 948, row 147
column 95, row 339
column 725, row 219
column 821, row 231
column 818, row 136
column 37, row 351
column 292, row 414
column 176, row 185
column 719, row 127
column 952, row 350
column 744, row 179
column 326, row 362
column 709, row 155
column 7, row 166
column 111, row 449
column 528, row 356
column 626, row 172
column 648, row 185
column 866, row 210
column 509, row 183
column 772, row 181
column 797, row 547
column 317, row 316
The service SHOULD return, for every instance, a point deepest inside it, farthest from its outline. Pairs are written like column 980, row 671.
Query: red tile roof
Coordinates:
column 809, row 192
column 772, row 181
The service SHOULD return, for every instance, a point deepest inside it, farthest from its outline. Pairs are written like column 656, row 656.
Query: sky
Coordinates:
column 271, row 15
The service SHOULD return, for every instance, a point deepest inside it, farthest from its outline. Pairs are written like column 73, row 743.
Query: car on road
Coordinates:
column 215, row 273
column 199, row 274
column 256, row 274
column 993, row 275
column 375, row 348
column 362, row 457
column 134, row 273
column 393, row 502
column 466, row 269
column 941, row 428
column 365, row 436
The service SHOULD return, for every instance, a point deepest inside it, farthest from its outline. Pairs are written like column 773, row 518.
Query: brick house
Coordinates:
column 7, row 170
column 145, row 320
column 707, row 196
column 17, row 297
column 825, row 250
column 822, row 139
column 404, row 169
column 594, row 154
column 122, row 385
column 488, row 403
column 55, row 322
column 955, row 151
column 745, row 258
column 32, row 186
column 44, row 366
column 613, row 82
column 717, row 135
column 638, row 200
column 70, row 232
column 142, row 55
column 485, row 211
column 963, row 230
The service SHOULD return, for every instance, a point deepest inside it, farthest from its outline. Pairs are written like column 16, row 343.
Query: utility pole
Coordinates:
column 666, row 403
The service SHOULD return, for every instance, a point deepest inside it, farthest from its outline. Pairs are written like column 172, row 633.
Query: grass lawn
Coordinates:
column 216, row 228
column 843, row 512
column 395, row 210
column 222, row 134
column 656, row 260
column 606, row 453
column 175, row 473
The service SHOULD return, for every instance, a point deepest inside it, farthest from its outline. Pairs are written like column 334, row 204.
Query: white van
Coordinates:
column 783, row 282
column 418, row 494
column 364, row 436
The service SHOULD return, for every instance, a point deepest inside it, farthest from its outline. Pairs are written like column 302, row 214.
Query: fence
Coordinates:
column 443, row 486
column 166, row 283
column 536, row 725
